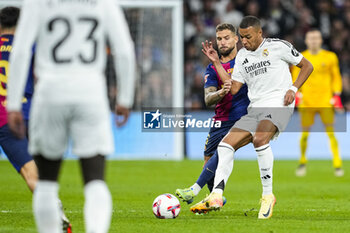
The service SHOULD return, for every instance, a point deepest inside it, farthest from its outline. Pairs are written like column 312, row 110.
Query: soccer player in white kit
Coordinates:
column 70, row 98
column 263, row 64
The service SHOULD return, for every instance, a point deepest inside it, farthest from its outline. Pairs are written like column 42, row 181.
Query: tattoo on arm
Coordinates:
column 212, row 96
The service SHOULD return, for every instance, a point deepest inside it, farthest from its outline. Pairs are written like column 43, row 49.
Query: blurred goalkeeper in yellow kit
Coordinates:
column 319, row 95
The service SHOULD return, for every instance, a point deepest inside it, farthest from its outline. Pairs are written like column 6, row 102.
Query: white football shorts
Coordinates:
column 279, row 116
column 88, row 125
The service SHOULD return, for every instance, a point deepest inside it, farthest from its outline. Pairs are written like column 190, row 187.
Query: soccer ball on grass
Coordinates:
column 166, row 206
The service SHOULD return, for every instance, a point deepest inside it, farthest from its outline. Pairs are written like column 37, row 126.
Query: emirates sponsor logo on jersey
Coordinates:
column 256, row 66
column 256, row 69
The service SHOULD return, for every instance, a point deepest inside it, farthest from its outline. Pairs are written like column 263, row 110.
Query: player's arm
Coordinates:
column 20, row 58
column 235, row 86
column 336, row 76
column 122, row 48
column 213, row 95
column 291, row 56
column 298, row 95
column 295, row 72
column 306, row 69
column 336, row 83
column 211, row 53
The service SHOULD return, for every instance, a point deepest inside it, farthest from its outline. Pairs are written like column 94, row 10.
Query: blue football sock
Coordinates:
column 208, row 171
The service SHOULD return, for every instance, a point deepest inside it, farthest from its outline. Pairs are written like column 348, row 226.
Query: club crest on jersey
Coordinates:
column 265, row 53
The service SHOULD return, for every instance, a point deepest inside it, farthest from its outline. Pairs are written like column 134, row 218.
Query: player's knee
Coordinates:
column 93, row 168
column 260, row 140
column 228, row 141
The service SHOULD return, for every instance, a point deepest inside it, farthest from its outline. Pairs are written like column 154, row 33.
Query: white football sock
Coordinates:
column 98, row 207
column 265, row 160
column 196, row 188
column 225, row 166
column 46, row 208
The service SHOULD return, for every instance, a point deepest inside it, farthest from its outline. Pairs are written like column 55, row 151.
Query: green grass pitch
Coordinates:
column 318, row 202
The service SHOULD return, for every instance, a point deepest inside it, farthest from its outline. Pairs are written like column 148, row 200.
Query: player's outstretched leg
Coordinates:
column 98, row 200
column 45, row 205
column 206, row 175
column 235, row 139
column 225, row 165
column 264, row 132
column 30, row 174
column 268, row 200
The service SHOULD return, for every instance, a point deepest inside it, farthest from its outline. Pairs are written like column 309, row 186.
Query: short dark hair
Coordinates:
column 250, row 21
column 9, row 17
column 226, row 26
column 314, row 30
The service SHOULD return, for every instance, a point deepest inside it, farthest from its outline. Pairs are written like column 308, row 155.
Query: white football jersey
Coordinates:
column 266, row 71
column 70, row 58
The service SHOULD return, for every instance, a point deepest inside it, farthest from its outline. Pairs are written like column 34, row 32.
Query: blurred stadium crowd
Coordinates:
column 287, row 19
column 151, row 31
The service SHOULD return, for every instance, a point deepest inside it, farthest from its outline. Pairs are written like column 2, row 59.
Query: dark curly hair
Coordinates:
column 9, row 17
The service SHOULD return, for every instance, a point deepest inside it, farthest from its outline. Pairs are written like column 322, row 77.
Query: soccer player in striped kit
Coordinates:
column 228, row 108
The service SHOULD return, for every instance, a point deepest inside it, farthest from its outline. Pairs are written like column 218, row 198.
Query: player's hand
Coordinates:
column 122, row 115
column 337, row 104
column 298, row 99
column 226, row 88
column 289, row 97
column 16, row 123
column 210, row 52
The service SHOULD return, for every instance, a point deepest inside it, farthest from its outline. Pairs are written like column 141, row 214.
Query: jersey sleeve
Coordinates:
column 210, row 77
column 336, row 76
column 26, row 32
column 288, row 53
column 122, row 48
column 237, row 74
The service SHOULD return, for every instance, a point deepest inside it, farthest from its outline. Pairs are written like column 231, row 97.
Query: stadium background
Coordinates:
column 168, row 36
column 283, row 19
column 170, row 70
